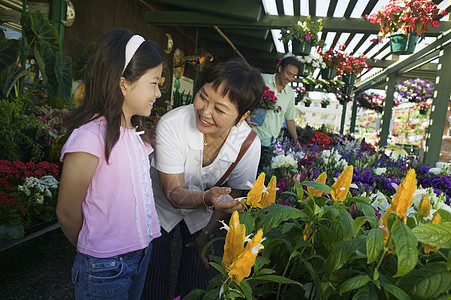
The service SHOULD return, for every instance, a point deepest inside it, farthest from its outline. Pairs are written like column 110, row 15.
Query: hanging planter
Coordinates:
column 347, row 89
column 328, row 73
column 423, row 111
column 306, row 70
column 349, row 79
column 259, row 116
column 298, row 98
column 307, row 102
column 325, row 103
column 301, row 48
column 309, row 87
column 402, row 44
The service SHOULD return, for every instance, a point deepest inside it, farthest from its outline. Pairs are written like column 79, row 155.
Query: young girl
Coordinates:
column 105, row 203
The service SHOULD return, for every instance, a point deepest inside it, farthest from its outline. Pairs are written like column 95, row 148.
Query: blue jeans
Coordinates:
column 118, row 277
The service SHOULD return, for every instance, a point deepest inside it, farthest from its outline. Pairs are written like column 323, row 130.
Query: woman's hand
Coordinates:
column 199, row 243
column 222, row 201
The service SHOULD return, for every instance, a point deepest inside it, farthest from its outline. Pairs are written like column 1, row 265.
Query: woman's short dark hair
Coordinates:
column 289, row 60
column 242, row 83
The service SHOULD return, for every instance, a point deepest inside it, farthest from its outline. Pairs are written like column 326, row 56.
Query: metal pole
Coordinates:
column 353, row 117
column 388, row 105
column 343, row 117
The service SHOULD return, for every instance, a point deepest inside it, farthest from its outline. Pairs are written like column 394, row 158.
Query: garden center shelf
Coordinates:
column 30, row 233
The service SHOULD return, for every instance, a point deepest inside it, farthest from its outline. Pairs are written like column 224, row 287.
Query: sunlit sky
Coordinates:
column 321, row 11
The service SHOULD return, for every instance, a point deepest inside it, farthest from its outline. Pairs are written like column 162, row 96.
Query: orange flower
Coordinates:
column 307, row 231
column 340, row 188
column 403, row 197
column 321, row 178
column 269, row 197
column 435, row 220
column 383, row 224
column 234, row 243
column 242, row 265
column 254, row 196
column 424, row 209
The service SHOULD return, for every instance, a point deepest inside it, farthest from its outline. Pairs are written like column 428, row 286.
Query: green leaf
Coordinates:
column 314, row 275
column 44, row 31
column 81, row 62
column 361, row 199
column 435, row 235
column 246, row 289
column 278, row 214
column 444, row 215
column 354, row 283
column 395, row 291
column 194, row 294
column 345, row 221
column 265, row 271
column 13, row 78
column 427, row 282
column 340, row 255
column 374, row 244
column 299, row 189
column 49, row 57
column 406, row 247
column 218, row 267
column 248, row 221
column 9, row 51
column 276, row 278
column 260, row 261
column 368, row 211
column 365, row 293
column 41, row 64
column 357, row 225
column 63, row 72
column 317, row 186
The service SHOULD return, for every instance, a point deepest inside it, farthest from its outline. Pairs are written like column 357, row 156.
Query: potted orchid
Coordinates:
column 404, row 20
column 267, row 102
column 415, row 90
column 304, row 35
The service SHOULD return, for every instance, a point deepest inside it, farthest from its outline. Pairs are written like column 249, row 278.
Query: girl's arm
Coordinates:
column 78, row 170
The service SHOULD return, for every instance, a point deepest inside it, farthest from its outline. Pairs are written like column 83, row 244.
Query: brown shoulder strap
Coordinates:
column 247, row 142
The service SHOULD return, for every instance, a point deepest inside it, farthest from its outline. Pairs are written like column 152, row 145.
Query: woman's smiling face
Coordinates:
column 215, row 114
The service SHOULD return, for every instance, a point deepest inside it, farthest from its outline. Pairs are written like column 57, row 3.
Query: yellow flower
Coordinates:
column 340, row 188
column 254, row 196
column 321, row 178
column 234, row 243
column 403, row 197
column 383, row 224
column 435, row 220
column 269, row 197
column 307, row 231
column 242, row 265
column 424, row 209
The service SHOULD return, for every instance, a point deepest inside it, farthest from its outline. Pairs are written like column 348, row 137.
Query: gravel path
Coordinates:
column 38, row 269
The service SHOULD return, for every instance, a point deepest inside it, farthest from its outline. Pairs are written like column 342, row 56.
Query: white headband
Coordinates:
column 132, row 45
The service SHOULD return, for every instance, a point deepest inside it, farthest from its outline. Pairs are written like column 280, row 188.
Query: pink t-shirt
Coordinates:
column 119, row 213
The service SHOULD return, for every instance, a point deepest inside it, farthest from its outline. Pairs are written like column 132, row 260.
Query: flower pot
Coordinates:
column 259, row 116
column 309, row 86
column 298, row 98
column 301, row 48
column 323, row 105
column 307, row 104
column 349, row 79
column 347, row 89
column 402, row 44
column 413, row 99
column 306, row 70
column 328, row 73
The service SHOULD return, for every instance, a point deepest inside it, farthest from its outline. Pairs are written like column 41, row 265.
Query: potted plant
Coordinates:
column 415, row 90
column 404, row 20
column 307, row 102
column 310, row 62
column 300, row 94
column 370, row 101
column 331, row 86
column 351, row 66
column 309, row 83
column 332, row 58
column 344, row 98
column 424, row 107
column 304, row 35
column 325, row 103
column 267, row 102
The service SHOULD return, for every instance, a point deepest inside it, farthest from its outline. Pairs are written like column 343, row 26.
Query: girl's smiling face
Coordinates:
column 215, row 114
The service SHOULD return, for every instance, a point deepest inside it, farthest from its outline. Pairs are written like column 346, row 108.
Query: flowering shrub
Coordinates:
column 406, row 16
column 306, row 30
column 28, row 191
column 321, row 139
column 268, row 101
column 415, row 90
column 353, row 64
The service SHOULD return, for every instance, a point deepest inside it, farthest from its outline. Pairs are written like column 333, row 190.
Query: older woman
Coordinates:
column 195, row 146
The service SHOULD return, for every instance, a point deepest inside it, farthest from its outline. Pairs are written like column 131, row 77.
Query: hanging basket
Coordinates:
column 423, row 111
column 413, row 99
column 328, row 73
column 258, row 116
column 301, row 48
column 306, row 70
column 349, row 79
column 402, row 44
column 298, row 98
column 347, row 89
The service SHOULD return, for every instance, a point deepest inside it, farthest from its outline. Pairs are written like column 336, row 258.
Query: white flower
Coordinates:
column 435, row 171
column 284, row 161
column 380, row 171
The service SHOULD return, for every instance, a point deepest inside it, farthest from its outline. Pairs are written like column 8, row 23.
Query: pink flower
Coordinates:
column 308, row 37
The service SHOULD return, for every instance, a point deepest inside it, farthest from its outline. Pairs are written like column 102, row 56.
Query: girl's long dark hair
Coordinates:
column 103, row 96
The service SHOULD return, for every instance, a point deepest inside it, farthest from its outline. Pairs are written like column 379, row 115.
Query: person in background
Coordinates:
column 195, row 145
column 105, row 204
column 279, row 83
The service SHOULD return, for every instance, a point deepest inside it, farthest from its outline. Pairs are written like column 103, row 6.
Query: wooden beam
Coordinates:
column 331, row 9
column 297, row 7
column 312, row 7
column 238, row 9
column 280, row 9
column 239, row 41
column 349, row 9
column 183, row 18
